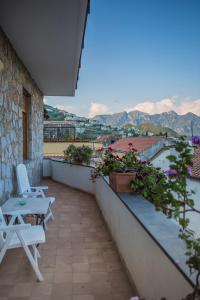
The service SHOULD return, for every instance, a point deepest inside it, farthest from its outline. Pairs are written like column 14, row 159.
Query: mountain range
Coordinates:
column 180, row 123
column 144, row 121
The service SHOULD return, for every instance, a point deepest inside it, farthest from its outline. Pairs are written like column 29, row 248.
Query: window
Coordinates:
column 25, row 123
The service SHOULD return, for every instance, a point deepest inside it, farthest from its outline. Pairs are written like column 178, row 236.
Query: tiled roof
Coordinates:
column 138, row 143
column 196, row 163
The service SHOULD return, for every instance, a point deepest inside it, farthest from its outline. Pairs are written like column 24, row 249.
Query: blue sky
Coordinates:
column 139, row 54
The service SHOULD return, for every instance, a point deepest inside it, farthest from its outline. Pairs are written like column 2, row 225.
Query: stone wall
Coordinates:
column 13, row 79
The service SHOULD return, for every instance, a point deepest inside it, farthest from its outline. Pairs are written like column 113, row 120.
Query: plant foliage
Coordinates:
column 79, row 155
column 112, row 162
column 169, row 193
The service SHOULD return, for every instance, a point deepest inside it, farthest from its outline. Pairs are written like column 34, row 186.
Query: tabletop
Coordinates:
column 34, row 205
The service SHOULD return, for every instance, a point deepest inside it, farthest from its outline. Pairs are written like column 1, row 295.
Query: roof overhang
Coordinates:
column 48, row 37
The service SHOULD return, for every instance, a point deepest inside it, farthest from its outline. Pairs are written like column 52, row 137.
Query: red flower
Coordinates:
column 110, row 149
column 130, row 144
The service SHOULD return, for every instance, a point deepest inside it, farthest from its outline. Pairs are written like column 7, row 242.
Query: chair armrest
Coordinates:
column 42, row 187
column 20, row 212
column 15, row 227
column 17, row 215
column 31, row 194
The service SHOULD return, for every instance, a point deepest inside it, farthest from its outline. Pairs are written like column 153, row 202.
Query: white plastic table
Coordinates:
column 36, row 206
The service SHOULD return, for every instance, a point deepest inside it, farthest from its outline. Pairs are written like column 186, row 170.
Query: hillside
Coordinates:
column 156, row 129
column 56, row 114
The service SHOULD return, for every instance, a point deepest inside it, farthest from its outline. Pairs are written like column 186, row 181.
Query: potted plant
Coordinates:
column 121, row 169
column 78, row 154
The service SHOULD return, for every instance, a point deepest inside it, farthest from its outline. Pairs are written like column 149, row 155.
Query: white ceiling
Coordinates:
column 47, row 35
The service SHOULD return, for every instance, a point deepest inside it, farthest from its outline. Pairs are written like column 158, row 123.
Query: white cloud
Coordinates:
column 165, row 105
column 98, row 109
column 190, row 106
column 63, row 107
column 45, row 100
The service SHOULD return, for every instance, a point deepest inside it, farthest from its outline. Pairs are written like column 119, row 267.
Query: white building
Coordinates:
column 193, row 182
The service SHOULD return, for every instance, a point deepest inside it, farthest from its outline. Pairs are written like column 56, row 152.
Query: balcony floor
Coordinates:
column 79, row 260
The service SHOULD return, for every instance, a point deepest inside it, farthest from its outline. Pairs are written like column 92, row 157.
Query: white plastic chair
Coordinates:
column 25, row 190
column 21, row 235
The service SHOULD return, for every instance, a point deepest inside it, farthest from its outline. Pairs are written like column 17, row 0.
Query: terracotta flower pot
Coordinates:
column 120, row 182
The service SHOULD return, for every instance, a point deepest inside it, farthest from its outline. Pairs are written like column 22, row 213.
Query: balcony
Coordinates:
column 79, row 260
column 102, row 245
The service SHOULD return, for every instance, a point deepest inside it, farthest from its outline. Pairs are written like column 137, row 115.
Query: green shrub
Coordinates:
column 78, row 155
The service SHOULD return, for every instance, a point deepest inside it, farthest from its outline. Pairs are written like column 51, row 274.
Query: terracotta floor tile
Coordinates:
column 5, row 289
column 21, row 290
column 98, row 267
column 57, row 297
column 105, row 297
column 96, row 276
column 41, row 297
column 81, row 277
column 82, row 288
column 83, row 297
column 80, row 267
column 60, row 290
column 122, row 296
column 62, row 277
column 79, row 260
column 41, row 289
column 102, row 287
column 18, row 298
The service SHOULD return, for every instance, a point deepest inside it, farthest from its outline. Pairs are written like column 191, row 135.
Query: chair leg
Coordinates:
column 5, row 246
column 32, row 258
column 52, row 216
column 36, row 252
column 47, row 217
column 42, row 194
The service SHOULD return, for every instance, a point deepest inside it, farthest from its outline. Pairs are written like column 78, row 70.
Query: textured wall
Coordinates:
column 13, row 78
column 148, row 153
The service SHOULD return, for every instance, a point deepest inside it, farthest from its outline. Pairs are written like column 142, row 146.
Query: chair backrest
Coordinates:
column 22, row 179
column 2, row 223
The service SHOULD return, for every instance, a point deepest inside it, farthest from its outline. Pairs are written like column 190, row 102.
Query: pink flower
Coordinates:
column 189, row 171
column 170, row 172
column 196, row 140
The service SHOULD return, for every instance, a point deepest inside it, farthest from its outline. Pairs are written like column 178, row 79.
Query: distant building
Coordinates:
column 146, row 147
column 59, row 131
column 105, row 139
